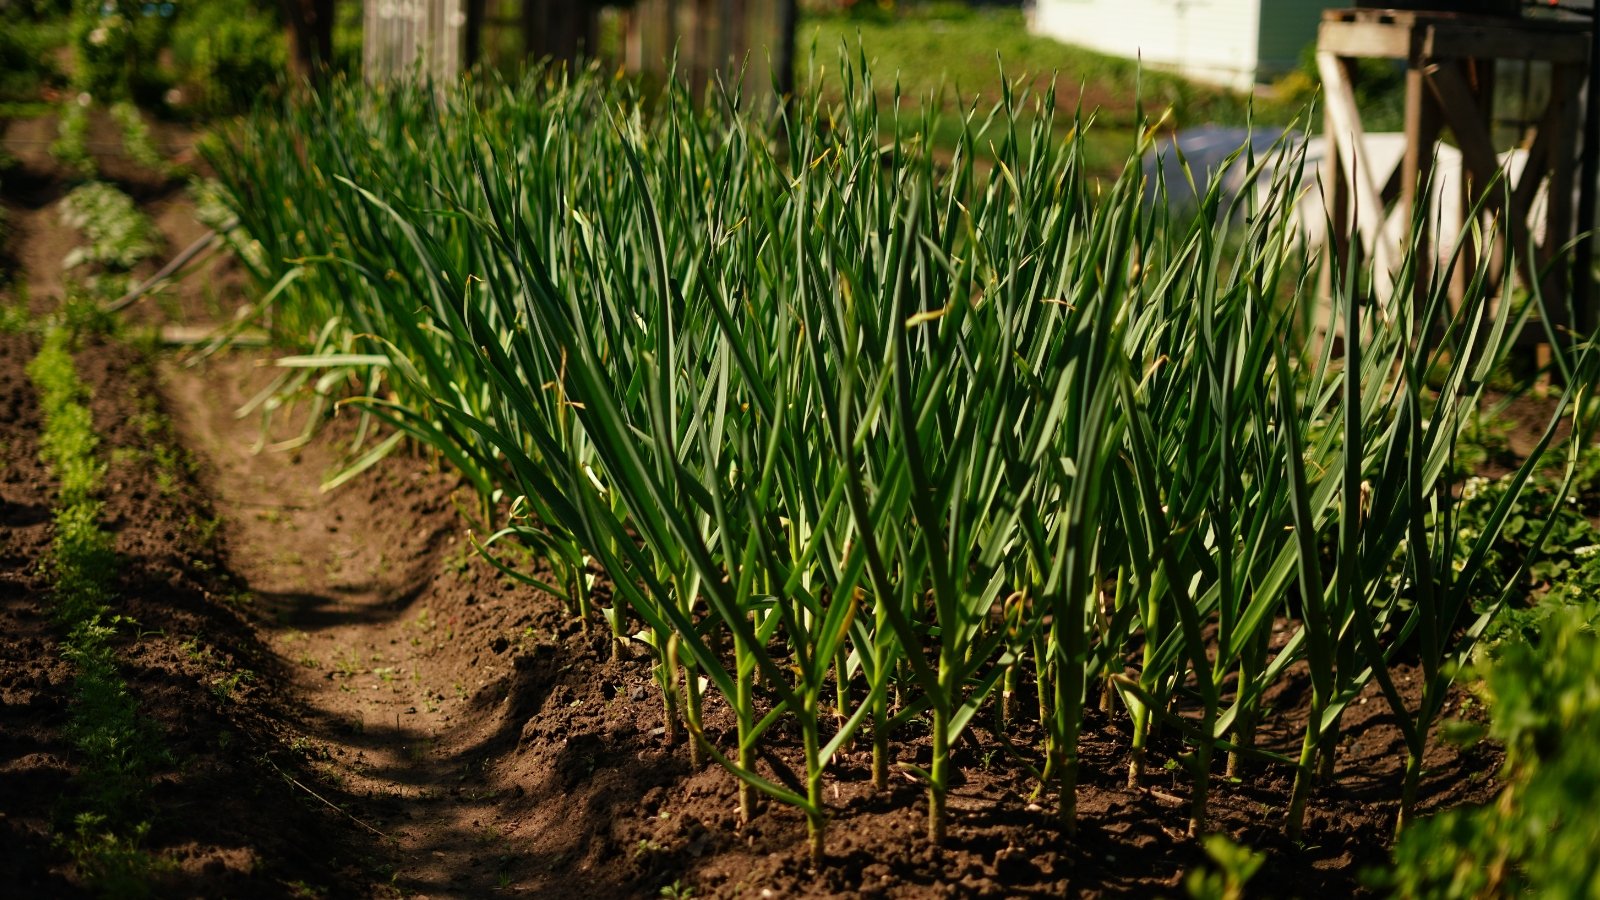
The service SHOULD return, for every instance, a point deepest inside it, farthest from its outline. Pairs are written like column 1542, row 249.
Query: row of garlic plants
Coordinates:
column 875, row 442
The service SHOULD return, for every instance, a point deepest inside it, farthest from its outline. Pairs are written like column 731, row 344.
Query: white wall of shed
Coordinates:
column 1215, row 41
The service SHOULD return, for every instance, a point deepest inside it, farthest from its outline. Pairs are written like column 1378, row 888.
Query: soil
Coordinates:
column 33, row 678
column 357, row 706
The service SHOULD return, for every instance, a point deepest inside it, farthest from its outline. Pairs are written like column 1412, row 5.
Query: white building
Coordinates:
column 1236, row 43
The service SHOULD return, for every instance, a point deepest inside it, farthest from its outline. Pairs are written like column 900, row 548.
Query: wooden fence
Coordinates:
column 701, row 38
column 402, row 37
column 705, row 37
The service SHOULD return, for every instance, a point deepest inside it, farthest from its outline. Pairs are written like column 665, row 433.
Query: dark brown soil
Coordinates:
column 360, row 707
column 34, row 680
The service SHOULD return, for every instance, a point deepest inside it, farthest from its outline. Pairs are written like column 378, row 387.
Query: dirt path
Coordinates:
column 214, row 811
column 483, row 742
column 340, row 609
column 37, row 241
column 191, row 664
column 344, row 582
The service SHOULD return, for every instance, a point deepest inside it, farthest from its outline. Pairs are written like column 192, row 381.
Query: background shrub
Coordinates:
column 118, row 44
column 29, row 34
column 227, row 52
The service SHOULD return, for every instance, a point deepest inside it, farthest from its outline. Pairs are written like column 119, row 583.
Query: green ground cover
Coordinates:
column 956, row 51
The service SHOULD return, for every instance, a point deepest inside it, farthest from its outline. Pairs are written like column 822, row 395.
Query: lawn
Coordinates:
column 953, row 50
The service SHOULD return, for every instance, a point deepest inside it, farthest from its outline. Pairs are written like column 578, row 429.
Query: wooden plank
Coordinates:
column 1400, row 17
column 1566, row 84
column 1416, row 171
column 1462, row 114
column 1537, row 164
column 1345, row 117
column 190, row 335
column 1365, row 39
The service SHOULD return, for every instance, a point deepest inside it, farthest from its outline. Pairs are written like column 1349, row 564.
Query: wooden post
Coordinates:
column 472, row 40
column 562, row 29
column 310, row 27
column 1416, row 176
column 788, row 11
column 1561, row 122
column 1583, row 289
column 711, row 39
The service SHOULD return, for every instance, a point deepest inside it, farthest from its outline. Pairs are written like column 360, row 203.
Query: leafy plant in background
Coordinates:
column 117, row 235
column 28, row 38
column 136, row 140
column 71, row 146
column 1568, row 567
column 117, row 45
column 116, row 748
column 228, row 54
column 1541, row 836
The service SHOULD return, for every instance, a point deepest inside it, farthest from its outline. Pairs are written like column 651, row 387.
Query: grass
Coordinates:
column 949, row 46
column 957, row 52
